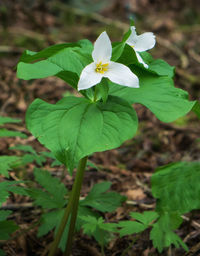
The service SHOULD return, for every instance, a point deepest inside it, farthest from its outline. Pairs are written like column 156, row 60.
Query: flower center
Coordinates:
column 101, row 68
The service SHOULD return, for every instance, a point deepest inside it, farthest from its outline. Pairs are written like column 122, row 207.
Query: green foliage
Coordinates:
column 7, row 163
column 163, row 234
column 6, row 120
column 53, row 195
column 98, row 229
column 142, row 222
column 176, row 186
column 31, row 157
column 7, row 133
column 65, row 61
column 101, row 200
column 10, row 186
column 156, row 93
column 7, row 227
column 96, row 126
column 177, row 190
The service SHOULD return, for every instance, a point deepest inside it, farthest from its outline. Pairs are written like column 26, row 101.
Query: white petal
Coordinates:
column 121, row 74
column 132, row 38
column 141, row 60
column 145, row 42
column 89, row 77
column 102, row 49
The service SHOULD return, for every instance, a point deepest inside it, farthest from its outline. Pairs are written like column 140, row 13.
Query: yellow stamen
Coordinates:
column 101, row 68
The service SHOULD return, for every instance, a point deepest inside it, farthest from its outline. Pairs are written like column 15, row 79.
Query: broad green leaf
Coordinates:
column 76, row 127
column 101, row 200
column 6, row 120
column 158, row 94
column 162, row 233
column 8, row 133
column 176, row 186
column 65, row 61
column 7, row 163
column 40, row 69
column 159, row 66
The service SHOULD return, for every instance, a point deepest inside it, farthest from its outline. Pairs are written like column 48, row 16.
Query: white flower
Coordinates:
column 104, row 67
column 141, row 43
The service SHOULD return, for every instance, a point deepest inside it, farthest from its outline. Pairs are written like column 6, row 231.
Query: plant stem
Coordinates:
column 69, row 208
column 76, row 194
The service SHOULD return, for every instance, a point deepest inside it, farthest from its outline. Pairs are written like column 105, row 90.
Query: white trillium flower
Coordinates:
column 141, row 43
column 104, row 67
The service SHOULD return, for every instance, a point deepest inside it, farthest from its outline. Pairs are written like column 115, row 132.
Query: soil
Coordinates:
column 36, row 24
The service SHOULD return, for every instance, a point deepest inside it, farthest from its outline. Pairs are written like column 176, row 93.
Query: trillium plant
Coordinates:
column 110, row 77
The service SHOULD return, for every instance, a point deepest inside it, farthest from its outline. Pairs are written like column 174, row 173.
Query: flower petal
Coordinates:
column 145, row 42
column 141, row 60
column 121, row 74
column 89, row 77
column 132, row 38
column 102, row 49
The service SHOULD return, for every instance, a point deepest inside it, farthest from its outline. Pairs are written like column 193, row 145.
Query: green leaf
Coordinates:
column 159, row 66
column 25, row 148
column 102, row 89
column 4, row 214
column 101, row 200
column 158, row 94
column 7, row 163
column 6, row 120
column 51, row 155
column 97, row 228
column 9, row 186
column 49, row 221
column 145, row 218
column 29, row 158
column 196, row 109
column 8, row 133
column 143, row 221
column 162, row 233
column 130, row 227
column 53, row 197
column 117, row 50
column 176, row 186
column 65, row 61
column 96, row 126
column 7, row 227
column 39, row 69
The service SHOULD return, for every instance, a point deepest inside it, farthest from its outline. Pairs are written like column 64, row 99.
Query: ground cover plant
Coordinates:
column 109, row 79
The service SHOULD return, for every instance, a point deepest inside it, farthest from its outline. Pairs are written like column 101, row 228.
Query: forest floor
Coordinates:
column 129, row 168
